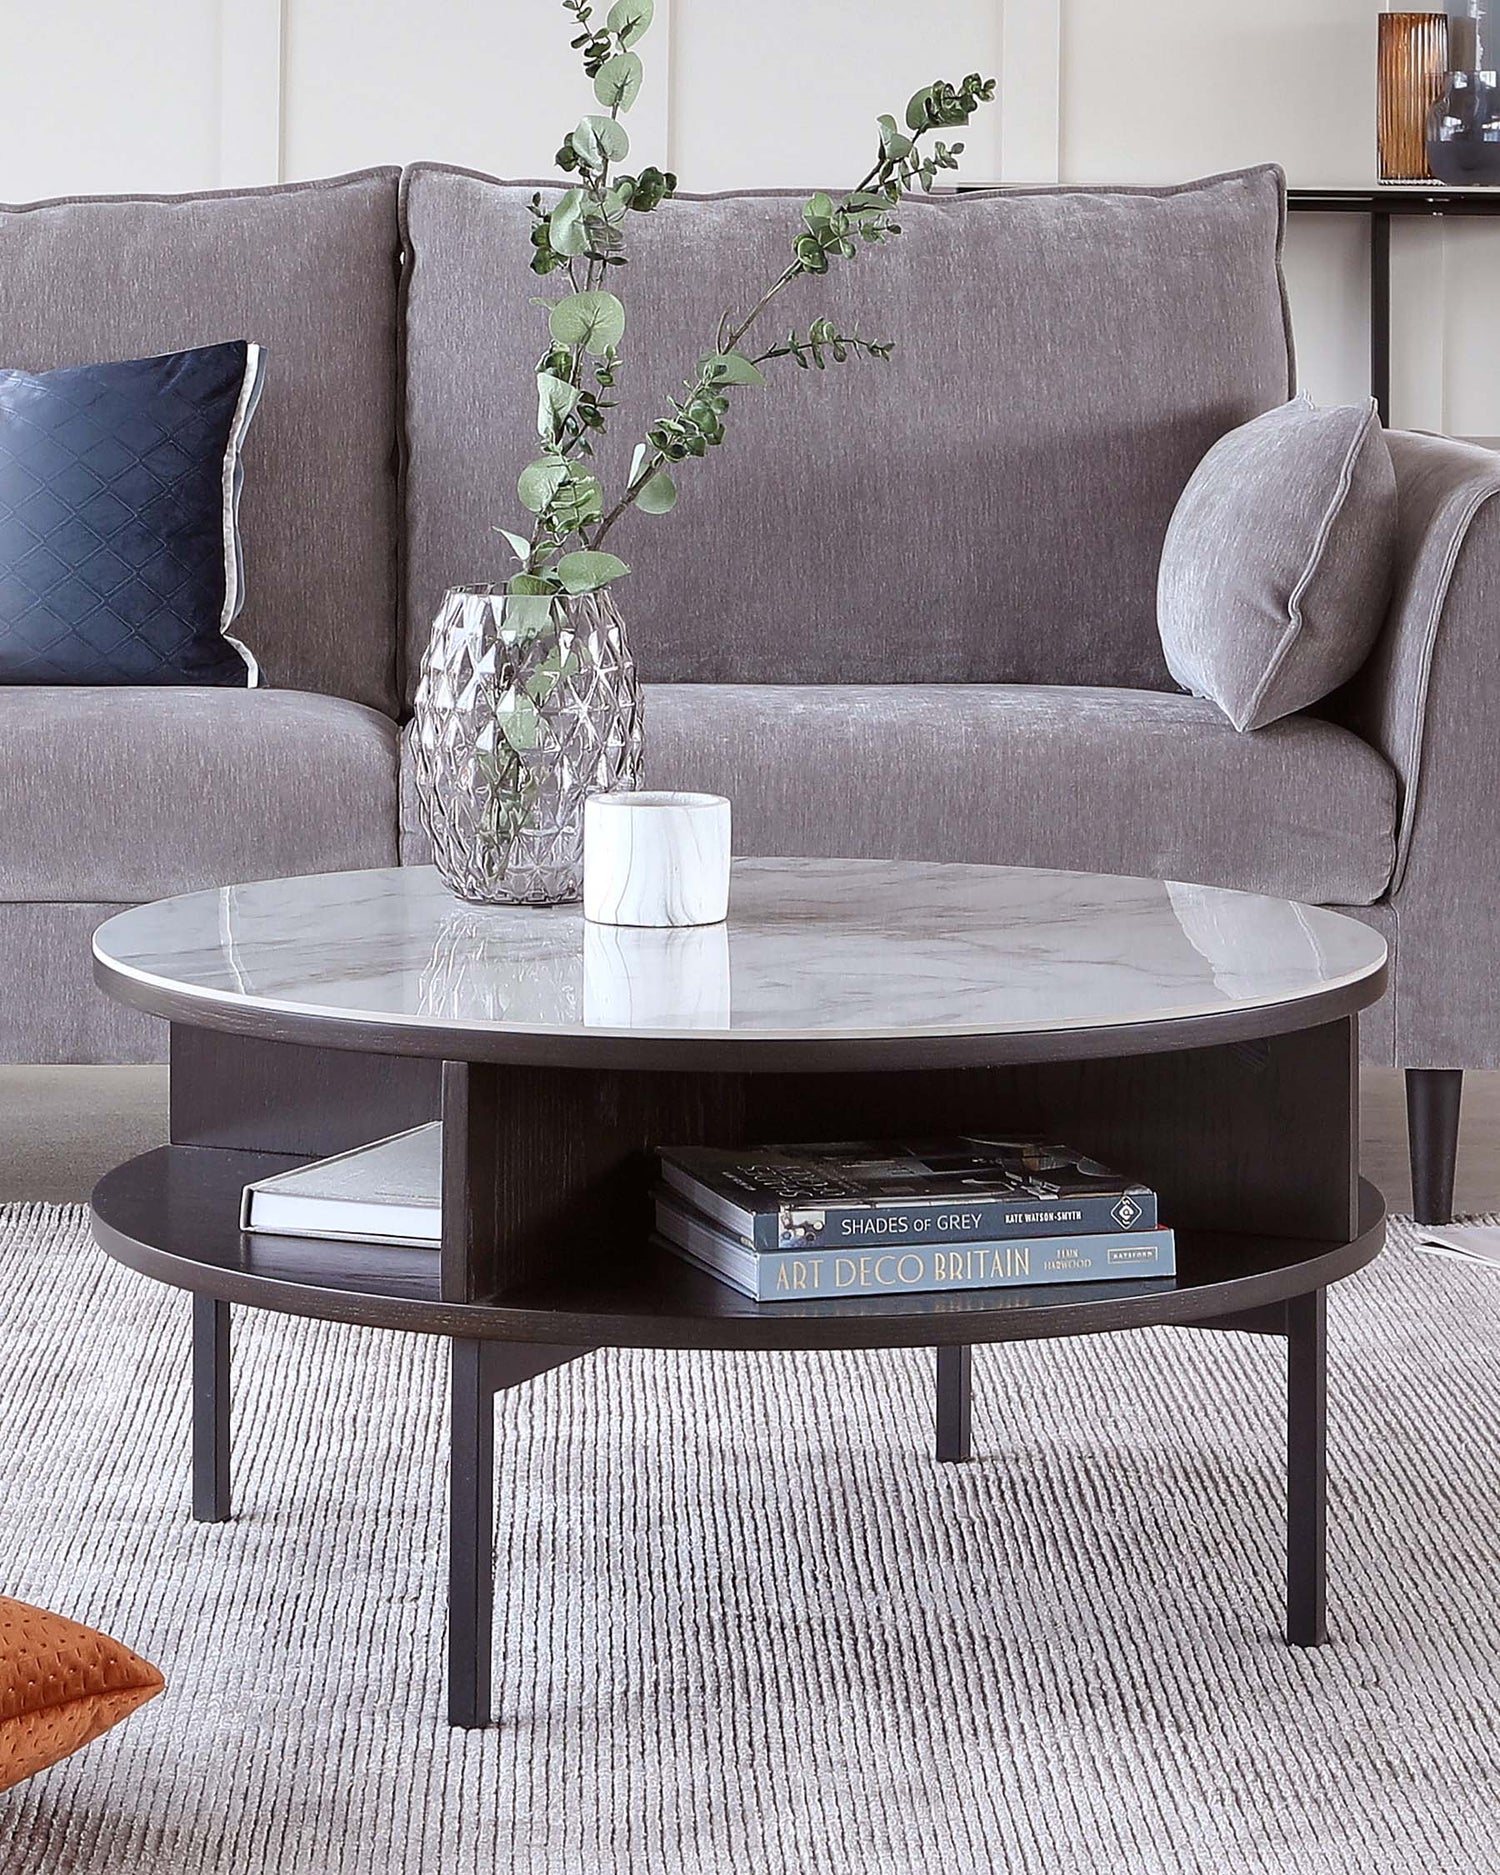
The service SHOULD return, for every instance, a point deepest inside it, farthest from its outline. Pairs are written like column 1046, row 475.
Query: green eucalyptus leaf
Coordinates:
column 730, row 368
column 541, row 684
column 557, row 665
column 659, row 496
column 555, row 399
column 528, row 615
column 566, row 233
column 629, row 19
column 587, row 572
column 519, row 719
column 818, row 211
column 893, row 146
column 637, row 463
column 651, row 188
column 520, row 547
column 596, row 321
column 617, row 84
column 600, row 140
column 539, row 482
column 809, row 252
column 916, row 110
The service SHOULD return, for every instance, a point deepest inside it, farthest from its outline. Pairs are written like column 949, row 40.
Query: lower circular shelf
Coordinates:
column 173, row 1214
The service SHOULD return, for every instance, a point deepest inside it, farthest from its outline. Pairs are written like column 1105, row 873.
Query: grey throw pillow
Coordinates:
column 1277, row 568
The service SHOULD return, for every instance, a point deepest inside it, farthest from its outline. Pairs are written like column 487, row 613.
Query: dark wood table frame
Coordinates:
column 1382, row 206
column 1246, row 1124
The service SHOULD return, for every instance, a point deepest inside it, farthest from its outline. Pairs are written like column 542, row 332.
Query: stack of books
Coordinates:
column 797, row 1223
column 806, row 1223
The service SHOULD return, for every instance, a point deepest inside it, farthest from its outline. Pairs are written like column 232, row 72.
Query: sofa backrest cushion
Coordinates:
column 309, row 271
column 989, row 506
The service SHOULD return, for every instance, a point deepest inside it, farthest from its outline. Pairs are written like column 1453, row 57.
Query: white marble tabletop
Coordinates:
column 811, row 949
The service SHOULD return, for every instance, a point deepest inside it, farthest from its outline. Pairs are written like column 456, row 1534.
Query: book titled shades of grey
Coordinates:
column 964, row 1190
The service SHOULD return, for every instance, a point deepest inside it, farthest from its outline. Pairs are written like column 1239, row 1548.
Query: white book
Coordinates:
column 1467, row 1243
column 388, row 1192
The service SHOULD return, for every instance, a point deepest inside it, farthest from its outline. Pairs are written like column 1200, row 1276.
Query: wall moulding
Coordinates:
column 1030, row 90
column 251, row 47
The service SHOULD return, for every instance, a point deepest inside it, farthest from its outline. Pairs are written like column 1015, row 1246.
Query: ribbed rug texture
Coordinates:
column 745, row 1622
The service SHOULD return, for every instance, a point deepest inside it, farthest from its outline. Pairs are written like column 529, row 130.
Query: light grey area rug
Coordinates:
column 747, row 1624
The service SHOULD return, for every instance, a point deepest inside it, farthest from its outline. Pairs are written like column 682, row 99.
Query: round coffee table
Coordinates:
column 1202, row 1041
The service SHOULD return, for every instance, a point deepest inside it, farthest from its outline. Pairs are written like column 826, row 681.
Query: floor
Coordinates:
column 747, row 1626
column 60, row 1128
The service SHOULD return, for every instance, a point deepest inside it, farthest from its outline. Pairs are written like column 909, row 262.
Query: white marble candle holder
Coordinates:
column 656, row 859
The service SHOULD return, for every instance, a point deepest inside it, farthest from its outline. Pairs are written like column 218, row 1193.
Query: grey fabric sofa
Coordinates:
column 907, row 610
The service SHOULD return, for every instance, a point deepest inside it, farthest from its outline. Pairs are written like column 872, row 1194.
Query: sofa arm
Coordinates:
column 1429, row 700
column 1429, row 688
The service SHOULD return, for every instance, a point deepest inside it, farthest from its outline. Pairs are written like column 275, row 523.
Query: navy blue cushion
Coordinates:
column 120, row 554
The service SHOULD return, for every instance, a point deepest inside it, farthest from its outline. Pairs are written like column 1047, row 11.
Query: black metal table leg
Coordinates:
column 210, row 1410
column 1306, row 1469
column 955, row 1392
column 471, row 1534
column 481, row 1369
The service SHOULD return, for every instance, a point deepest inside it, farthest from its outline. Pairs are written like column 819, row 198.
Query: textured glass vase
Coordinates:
column 525, row 708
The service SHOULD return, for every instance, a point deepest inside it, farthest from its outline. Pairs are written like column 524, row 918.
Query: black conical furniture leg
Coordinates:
column 1433, row 1099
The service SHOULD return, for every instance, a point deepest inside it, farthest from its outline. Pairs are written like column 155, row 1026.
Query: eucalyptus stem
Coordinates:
column 560, row 488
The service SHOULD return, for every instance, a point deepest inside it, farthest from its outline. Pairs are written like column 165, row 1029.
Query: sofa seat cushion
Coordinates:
column 119, row 795
column 1125, row 781
column 1119, row 781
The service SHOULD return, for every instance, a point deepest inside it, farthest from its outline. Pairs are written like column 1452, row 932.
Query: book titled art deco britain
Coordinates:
column 912, row 1269
column 968, row 1190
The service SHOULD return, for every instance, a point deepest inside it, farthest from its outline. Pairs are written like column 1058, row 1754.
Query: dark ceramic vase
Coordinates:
column 1463, row 131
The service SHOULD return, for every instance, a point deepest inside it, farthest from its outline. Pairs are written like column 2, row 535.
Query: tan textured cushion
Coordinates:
column 61, row 1685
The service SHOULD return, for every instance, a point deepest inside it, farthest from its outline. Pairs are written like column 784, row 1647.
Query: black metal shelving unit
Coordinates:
column 1382, row 206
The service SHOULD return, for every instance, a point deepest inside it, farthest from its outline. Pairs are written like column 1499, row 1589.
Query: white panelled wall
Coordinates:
column 184, row 94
